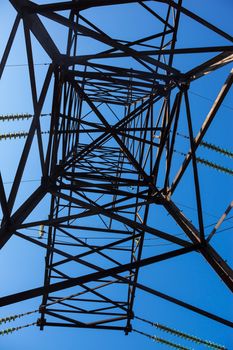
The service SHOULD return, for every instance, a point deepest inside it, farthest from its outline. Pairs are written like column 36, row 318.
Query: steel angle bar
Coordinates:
column 70, row 5
column 9, row 44
column 32, row 293
column 198, row 19
column 125, row 220
column 186, row 305
column 205, row 126
column 38, row 30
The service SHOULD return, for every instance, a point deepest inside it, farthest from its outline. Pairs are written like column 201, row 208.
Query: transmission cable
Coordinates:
column 41, row 309
column 162, row 340
column 183, row 335
column 206, row 162
column 211, row 146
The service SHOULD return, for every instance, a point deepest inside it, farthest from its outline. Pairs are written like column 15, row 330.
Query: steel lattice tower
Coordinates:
column 110, row 160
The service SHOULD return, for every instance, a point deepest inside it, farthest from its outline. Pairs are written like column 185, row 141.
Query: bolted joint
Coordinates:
column 42, row 309
column 204, row 244
column 131, row 315
column 128, row 329
column 45, row 181
column 183, row 86
column 41, row 323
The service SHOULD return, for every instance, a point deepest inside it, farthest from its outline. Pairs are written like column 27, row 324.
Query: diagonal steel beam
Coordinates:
column 205, row 126
column 198, row 19
column 33, row 293
column 77, row 6
column 9, row 44
column 38, row 30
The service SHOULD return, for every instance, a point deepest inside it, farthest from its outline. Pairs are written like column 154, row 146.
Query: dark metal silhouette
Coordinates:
column 108, row 162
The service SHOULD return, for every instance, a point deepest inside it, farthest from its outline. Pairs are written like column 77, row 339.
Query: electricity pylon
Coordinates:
column 109, row 166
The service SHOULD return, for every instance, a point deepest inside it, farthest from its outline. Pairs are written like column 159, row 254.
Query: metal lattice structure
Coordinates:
column 110, row 159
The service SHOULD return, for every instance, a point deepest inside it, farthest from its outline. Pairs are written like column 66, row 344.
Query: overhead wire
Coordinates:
column 47, row 64
column 208, row 163
column 162, row 327
column 209, row 99
column 26, row 65
column 41, row 309
column 200, row 160
column 211, row 146
column 21, row 116
column 162, row 340
column 205, row 144
column 181, row 334
column 14, row 329
column 12, row 318
column 111, row 238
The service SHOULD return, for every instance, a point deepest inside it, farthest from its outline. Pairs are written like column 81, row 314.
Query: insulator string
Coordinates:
column 23, row 116
column 14, row 317
column 212, row 165
column 183, row 335
column 162, row 340
column 211, row 146
column 14, row 329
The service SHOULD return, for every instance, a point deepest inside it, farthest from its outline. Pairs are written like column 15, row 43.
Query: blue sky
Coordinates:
column 188, row 277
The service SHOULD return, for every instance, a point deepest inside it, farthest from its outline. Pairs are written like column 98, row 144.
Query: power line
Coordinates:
column 21, row 116
column 207, row 163
column 181, row 334
column 211, row 146
column 11, row 182
column 161, row 340
column 85, row 239
column 14, row 329
column 190, row 91
column 26, row 65
column 208, row 99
